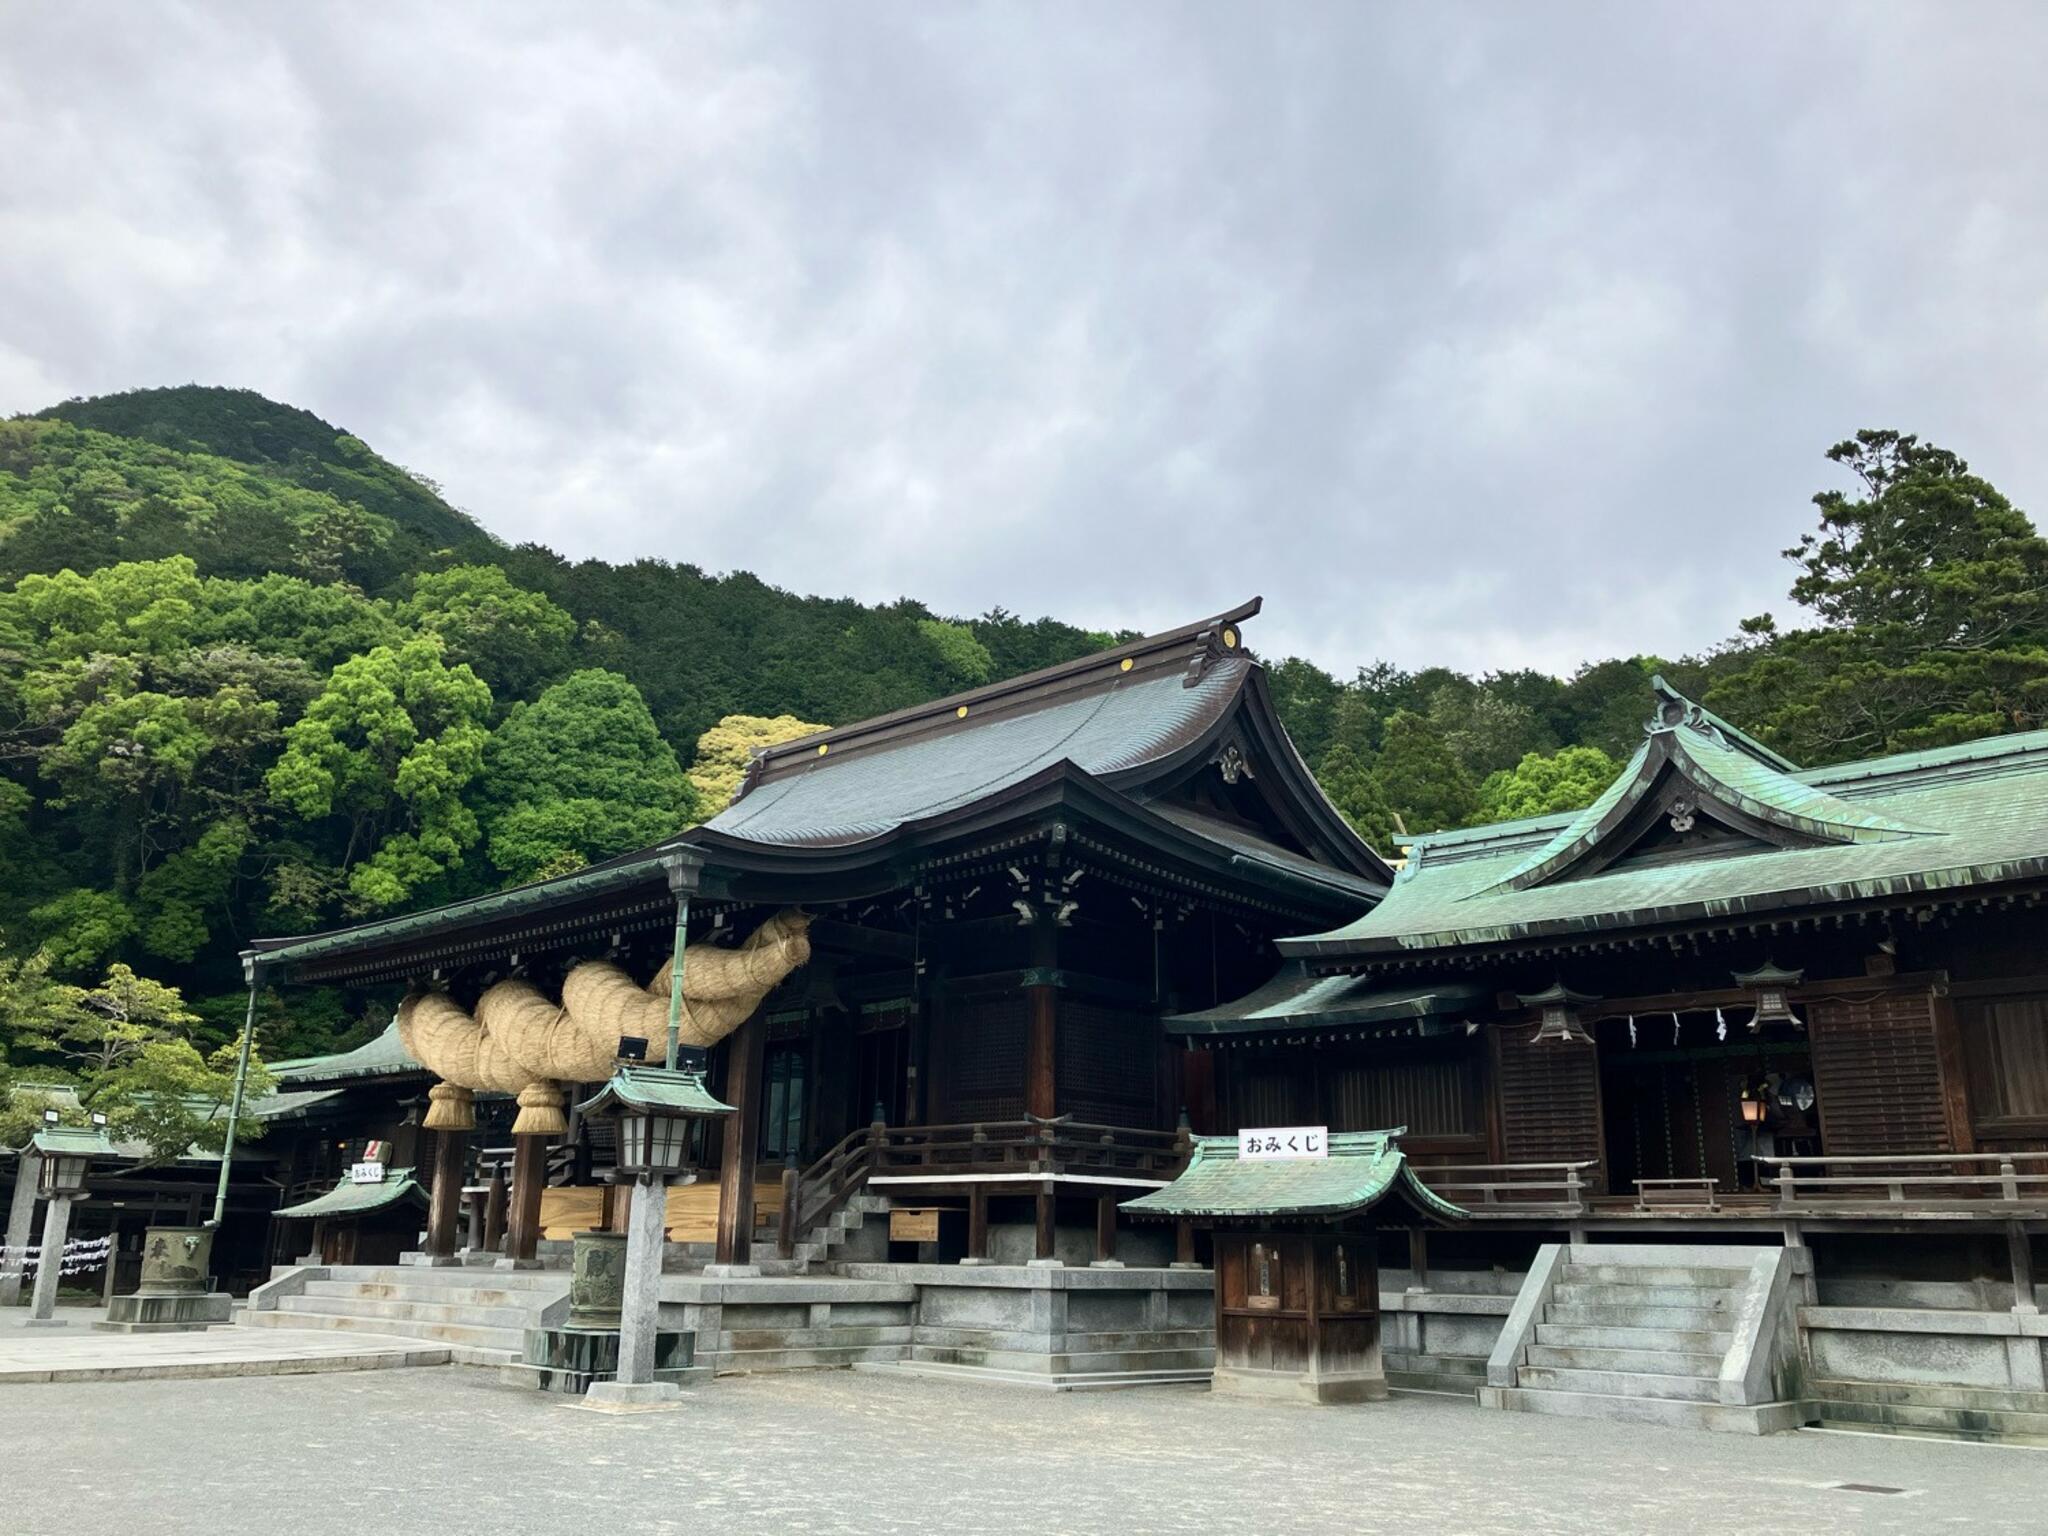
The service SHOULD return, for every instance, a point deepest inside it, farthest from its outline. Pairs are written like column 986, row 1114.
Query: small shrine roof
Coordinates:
column 349, row 1198
column 1363, row 1169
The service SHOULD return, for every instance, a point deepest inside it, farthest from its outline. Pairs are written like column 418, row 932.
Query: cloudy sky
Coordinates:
column 1493, row 335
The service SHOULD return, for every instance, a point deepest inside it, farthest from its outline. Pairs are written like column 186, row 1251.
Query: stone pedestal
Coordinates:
column 640, row 1397
column 177, row 1265
column 572, row 1361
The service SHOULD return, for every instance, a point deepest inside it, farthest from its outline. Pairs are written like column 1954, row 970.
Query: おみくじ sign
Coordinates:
column 1255, row 1143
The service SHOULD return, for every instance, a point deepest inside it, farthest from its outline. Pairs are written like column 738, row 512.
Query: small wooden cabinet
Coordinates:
column 1298, row 1315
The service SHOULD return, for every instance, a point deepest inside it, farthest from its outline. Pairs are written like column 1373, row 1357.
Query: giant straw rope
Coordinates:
column 519, row 1042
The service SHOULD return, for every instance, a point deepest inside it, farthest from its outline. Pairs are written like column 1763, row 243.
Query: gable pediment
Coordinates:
column 1697, row 788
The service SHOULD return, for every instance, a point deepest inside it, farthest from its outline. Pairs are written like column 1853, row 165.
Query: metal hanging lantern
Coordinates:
column 1558, row 1009
column 1753, row 1105
column 1771, row 983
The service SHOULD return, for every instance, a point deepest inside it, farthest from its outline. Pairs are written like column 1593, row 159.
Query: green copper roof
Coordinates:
column 351, row 1199
column 72, row 1141
column 380, row 1057
column 1297, row 1003
column 290, row 1105
column 1363, row 1169
column 1943, row 821
column 654, row 1088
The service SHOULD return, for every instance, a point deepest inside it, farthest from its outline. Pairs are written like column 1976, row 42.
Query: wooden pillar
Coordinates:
column 1043, row 1002
column 1043, row 1248
column 2022, row 1254
column 473, row 1227
column 1105, row 1230
column 445, row 1209
column 747, row 1049
column 494, row 1209
column 977, row 1222
column 1184, row 1245
column 1418, row 1259
column 529, row 1177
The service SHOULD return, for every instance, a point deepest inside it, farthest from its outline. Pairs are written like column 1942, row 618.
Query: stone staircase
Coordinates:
column 481, row 1314
column 1695, row 1337
column 844, row 1237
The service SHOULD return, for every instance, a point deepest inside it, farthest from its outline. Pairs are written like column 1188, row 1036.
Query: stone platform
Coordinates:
column 81, row 1355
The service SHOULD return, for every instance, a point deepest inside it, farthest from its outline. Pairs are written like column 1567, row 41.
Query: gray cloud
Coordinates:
column 1479, row 334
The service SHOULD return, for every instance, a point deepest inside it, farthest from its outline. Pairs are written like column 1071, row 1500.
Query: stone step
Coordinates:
column 1599, row 1336
column 554, row 1282
column 1067, row 1381
column 1570, row 1293
column 1544, row 1378
column 1949, row 1423
column 508, row 1342
column 1473, row 1366
column 1653, row 1274
column 1665, row 1255
column 817, row 1357
column 527, row 1301
column 1961, row 1413
column 1656, row 1362
column 516, row 1318
column 1675, row 1319
column 1673, row 1413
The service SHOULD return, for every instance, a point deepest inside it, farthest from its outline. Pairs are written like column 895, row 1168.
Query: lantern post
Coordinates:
column 653, row 1108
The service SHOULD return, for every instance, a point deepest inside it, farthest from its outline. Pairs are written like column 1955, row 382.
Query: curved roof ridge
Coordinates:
column 1214, row 636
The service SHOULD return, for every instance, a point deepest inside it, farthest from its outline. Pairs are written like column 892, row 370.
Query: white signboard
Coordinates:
column 1255, row 1143
column 366, row 1173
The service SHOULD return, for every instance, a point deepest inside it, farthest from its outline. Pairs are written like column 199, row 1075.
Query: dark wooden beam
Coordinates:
column 1043, row 1247
column 1041, row 1072
column 977, row 1222
column 1105, row 1229
column 529, row 1178
column 852, row 939
column 445, row 1211
column 746, row 1049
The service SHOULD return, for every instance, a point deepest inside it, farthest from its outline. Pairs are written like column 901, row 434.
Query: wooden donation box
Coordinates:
column 1296, row 1246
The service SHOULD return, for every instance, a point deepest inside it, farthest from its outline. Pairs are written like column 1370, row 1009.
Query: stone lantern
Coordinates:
column 612, row 1350
column 65, row 1157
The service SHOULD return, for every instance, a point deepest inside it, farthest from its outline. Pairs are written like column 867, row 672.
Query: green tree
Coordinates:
column 1931, row 595
column 1424, row 781
column 579, row 775
column 964, row 656
column 724, row 751
column 1569, row 779
column 1353, row 789
column 388, row 748
column 512, row 638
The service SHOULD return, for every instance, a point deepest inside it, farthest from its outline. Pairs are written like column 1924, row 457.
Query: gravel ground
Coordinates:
column 450, row 1451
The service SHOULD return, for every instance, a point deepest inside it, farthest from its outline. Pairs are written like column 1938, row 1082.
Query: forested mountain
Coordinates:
column 259, row 679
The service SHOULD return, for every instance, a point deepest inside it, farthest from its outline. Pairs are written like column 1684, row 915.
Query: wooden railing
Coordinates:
column 1511, row 1189
column 1934, row 1181
column 979, row 1149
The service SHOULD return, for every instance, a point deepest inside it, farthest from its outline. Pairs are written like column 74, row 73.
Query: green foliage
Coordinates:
column 1931, row 592
column 388, row 747
column 1353, row 789
column 513, row 639
column 1424, row 781
column 578, row 775
column 724, row 751
column 963, row 655
column 1569, row 779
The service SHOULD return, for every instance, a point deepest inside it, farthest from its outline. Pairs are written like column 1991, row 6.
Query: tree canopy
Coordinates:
column 259, row 679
